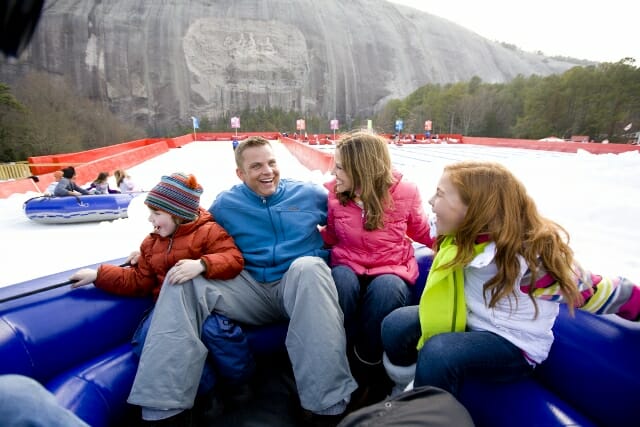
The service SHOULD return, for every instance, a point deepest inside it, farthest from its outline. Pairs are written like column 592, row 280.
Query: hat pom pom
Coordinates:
column 192, row 182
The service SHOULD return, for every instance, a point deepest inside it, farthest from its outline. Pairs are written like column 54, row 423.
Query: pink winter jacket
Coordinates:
column 384, row 251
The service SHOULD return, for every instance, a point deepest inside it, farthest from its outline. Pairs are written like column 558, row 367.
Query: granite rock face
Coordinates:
column 156, row 63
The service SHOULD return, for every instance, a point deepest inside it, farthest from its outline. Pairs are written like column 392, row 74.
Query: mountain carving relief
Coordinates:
column 157, row 63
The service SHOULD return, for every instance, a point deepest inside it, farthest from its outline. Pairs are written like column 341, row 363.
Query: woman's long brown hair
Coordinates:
column 366, row 160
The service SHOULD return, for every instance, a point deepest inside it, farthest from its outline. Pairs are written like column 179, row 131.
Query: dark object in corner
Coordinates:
column 18, row 21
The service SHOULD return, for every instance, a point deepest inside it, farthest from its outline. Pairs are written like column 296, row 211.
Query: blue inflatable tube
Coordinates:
column 74, row 209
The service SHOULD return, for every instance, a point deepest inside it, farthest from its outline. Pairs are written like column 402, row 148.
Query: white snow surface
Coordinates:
column 595, row 197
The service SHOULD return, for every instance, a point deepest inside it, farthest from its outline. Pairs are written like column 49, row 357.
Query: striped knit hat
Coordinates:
column 177, row 195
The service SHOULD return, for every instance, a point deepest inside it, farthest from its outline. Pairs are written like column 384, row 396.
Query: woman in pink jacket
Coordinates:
column 373, row 218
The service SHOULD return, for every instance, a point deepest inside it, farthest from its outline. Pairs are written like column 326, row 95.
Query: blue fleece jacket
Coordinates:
column 273, row 231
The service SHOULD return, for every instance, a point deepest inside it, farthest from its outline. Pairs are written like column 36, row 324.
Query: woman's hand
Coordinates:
column 184, row 270
column 83, row 277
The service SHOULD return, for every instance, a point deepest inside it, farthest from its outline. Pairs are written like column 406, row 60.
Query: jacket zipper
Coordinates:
column 273, row 249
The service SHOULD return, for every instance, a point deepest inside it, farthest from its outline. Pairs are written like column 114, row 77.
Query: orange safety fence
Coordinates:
column 308, row 156
column 51, row 163
column 87, row 165
column 566, row 146
column 37, row 172
column 314, row 158
column 126, row 155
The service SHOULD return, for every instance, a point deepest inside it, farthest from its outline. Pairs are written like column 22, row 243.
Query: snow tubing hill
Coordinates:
column 75, row 209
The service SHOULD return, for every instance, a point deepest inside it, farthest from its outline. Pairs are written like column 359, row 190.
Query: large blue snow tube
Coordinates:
column 74, row 209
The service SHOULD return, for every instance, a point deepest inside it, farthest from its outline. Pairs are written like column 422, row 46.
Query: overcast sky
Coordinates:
column 599, row 31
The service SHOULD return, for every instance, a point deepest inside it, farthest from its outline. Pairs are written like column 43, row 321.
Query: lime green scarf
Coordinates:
column 442, row 307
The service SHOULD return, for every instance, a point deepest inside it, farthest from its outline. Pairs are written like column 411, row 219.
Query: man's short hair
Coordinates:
column 253, row 141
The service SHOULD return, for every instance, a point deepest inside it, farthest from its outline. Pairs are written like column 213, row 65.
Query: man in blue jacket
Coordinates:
column 275, row 223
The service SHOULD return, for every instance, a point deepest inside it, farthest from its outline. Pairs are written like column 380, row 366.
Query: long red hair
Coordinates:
column 498, row 204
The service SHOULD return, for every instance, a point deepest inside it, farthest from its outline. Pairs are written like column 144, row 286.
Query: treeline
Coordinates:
column 598, row 101
column 42, row 114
